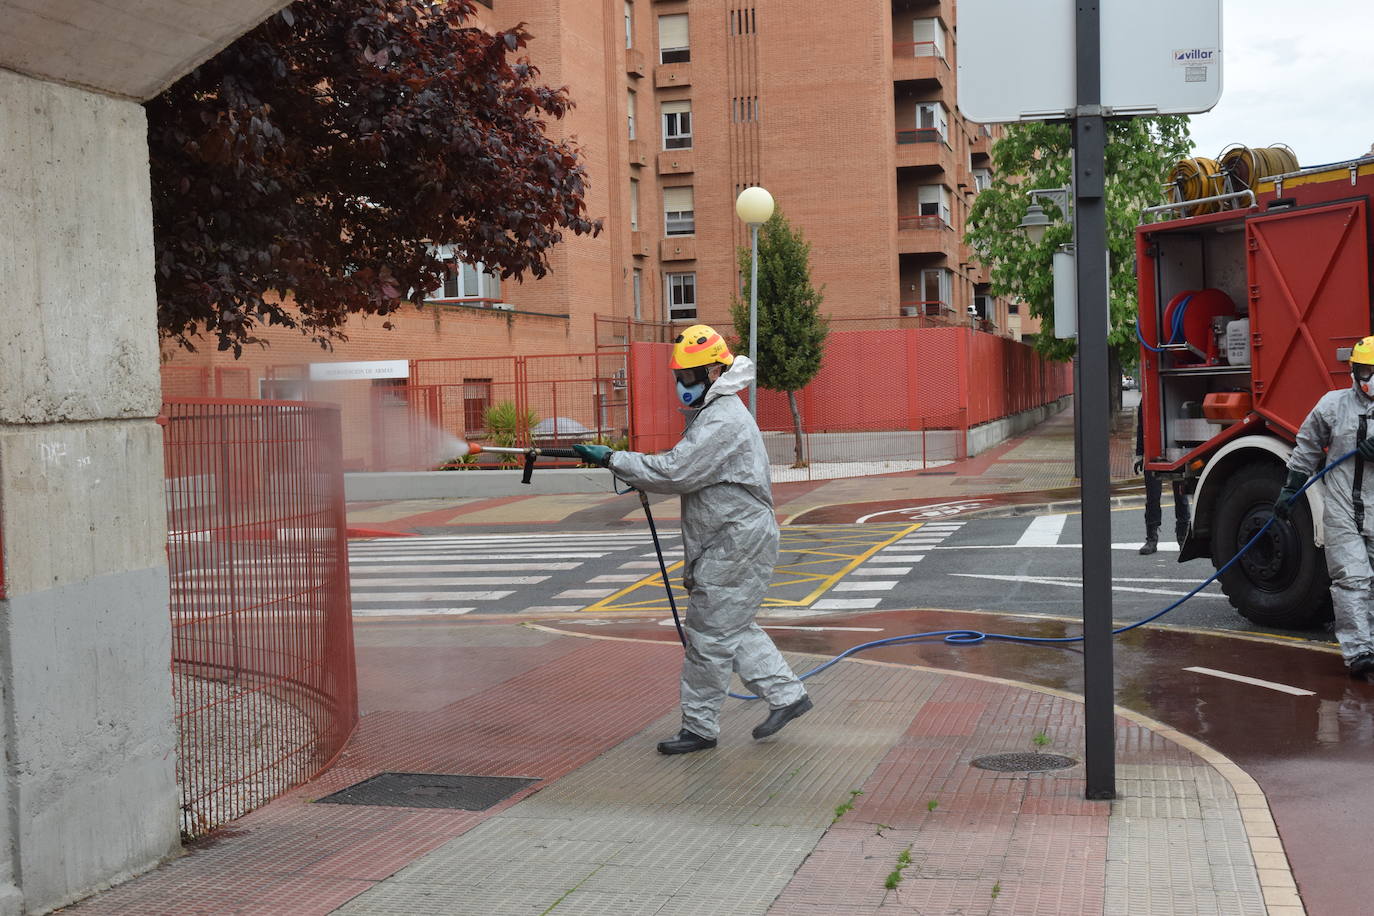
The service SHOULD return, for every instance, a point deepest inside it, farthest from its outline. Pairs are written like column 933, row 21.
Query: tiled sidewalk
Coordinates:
column 810, row 822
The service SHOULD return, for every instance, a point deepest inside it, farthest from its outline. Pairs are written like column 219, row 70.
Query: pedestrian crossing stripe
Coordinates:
column 811, row 557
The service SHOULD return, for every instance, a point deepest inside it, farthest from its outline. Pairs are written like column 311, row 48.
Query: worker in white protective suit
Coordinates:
column 730, row 540
column 1343, row 421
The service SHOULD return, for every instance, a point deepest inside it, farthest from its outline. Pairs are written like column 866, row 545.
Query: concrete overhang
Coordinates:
column 128, row 48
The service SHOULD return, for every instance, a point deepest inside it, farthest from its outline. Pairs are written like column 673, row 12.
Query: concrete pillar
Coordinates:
column 89, row 789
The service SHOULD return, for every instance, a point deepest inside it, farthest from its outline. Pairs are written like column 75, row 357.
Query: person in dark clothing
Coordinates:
column 1154, row 488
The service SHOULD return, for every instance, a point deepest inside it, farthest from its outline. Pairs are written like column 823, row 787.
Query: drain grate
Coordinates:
column 1023, row 763
column 429, row 790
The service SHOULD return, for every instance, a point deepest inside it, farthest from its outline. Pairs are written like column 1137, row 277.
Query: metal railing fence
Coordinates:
column 262, row 642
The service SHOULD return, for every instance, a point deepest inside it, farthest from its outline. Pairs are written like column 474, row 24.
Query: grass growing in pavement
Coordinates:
column 932, row 805
column 844, row 808
column 895, row 877
column 1041, row 739
column 996, row 890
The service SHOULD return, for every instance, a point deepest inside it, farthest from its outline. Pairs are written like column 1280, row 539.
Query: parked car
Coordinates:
column 1127, row 381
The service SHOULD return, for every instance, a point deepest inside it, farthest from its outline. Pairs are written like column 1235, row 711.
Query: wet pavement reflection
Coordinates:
column 1311, row 754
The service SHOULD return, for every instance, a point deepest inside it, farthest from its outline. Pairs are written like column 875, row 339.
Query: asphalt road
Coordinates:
column 1032, row 565
column 1021, row 565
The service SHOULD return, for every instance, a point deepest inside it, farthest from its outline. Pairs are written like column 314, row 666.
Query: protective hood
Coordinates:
column 733, row 380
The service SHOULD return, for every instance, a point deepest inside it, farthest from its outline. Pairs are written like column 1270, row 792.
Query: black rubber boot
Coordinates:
column 777, row 718
column 1361, row 665
column 1151, row 542
column 685, row 743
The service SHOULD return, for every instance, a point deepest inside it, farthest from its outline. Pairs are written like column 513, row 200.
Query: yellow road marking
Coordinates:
column 838, row 534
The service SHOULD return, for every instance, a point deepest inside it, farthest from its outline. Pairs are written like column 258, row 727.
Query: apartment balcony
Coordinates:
column 967, row 255
column 675, row 162
column 639, row 243
column 639, row 152
column 938, row 312
column 678, row 248
column 634, row 62
column 919, row 62
column 925, row 235
column 923, row 147
column 668, row 75
column 980, row 144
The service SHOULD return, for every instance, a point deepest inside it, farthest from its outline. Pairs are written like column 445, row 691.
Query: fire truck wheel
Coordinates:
column 1282, row 580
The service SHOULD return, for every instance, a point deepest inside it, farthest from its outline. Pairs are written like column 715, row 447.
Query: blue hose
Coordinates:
column 973, row 637
column 1141, row 337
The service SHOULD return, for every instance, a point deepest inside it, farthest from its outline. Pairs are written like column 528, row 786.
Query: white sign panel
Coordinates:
column 1016, row 58
column 342, row 372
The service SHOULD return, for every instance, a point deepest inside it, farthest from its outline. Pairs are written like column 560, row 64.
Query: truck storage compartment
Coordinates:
column 1197, row 326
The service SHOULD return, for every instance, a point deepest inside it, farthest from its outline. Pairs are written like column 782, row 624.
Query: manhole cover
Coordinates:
column 1023, row 763
column 429, row 790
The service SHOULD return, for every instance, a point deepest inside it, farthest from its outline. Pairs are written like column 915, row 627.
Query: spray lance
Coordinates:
column 532, row 454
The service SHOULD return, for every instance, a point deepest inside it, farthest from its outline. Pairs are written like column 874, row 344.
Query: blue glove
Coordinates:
column 598, row 455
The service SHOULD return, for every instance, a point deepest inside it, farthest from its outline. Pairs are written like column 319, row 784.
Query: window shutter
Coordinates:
column 677, row 107
column 677, row 200
column 672, row 31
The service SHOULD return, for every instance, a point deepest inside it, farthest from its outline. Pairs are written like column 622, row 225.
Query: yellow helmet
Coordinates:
column 1363, row 352
column 702, row 345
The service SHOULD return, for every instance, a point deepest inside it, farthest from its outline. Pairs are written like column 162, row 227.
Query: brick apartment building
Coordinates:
column 849, row 119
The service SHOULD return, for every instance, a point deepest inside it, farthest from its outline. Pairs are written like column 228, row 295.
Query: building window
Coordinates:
column 390, row 392
column 637, row 293
column 929, row 38
column 982, row 179
column 1013, row 308
column 935, row 286
column 932, row 202
column 982, row 305
column 679, row 217
column 465, row 281
column 672, row 39
column 630, row 111
column 281, row 389
column 677, row 125
column 629, row 25
column 476, row 400
column 634, row 205
column 745, row 108
column 932, row 117
column 682, row 296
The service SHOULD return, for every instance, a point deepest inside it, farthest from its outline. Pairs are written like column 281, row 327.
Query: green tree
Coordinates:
column 791, row 335
column 1140, row 152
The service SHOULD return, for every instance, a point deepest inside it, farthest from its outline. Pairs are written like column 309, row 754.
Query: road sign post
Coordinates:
column 1164, row 58
column 1094, row 423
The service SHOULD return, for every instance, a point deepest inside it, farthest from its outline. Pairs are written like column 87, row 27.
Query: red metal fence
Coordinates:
column 889, row 395
column 262, row 640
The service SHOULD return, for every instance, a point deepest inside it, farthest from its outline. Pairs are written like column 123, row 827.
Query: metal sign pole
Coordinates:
column 1090, row 208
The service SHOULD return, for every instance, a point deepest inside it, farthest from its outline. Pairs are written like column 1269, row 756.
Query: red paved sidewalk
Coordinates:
column 582, row 715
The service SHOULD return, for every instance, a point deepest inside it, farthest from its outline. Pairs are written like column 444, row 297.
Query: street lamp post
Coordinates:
column 754, row 206
column 1034, row 224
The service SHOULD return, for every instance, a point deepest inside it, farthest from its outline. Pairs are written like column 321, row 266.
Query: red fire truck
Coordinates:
column 1247, row 315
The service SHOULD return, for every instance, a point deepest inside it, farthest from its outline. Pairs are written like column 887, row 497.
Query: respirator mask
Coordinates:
column 1364, row 378
column 692, row 385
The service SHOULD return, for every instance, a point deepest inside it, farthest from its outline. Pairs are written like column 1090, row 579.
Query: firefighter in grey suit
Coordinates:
column 730, row 540
column 1343, row 421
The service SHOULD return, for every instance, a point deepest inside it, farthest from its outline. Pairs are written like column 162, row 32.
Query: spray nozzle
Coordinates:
column 531, row 454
